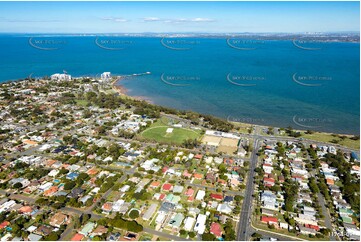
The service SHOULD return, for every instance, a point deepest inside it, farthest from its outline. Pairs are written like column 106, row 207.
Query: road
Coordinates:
column 162, row 234
column 326, row 214
column 243, row 232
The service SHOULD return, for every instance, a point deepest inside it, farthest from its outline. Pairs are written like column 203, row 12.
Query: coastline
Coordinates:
column 122, row 91
column 119, row 88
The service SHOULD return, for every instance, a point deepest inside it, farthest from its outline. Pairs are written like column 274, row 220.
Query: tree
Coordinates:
column 69, row 185
column 134, row 214
column 18, row 185
column 208, row 237
column 192, row 234
column 52, row 237
column 256, row 235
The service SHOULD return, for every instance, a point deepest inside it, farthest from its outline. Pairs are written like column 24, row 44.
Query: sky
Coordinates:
column 166, row 17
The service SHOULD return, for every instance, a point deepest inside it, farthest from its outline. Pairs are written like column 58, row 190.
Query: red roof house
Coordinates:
column 155, row 184
column 186, row 174
column 189, row 192
column 269, row 220
column 311, row 226
column 167, row 187
column 268, row 182
column 216, row 229
column 4, row 224
column 198, row 156
column 77, row 237
column 216, row 196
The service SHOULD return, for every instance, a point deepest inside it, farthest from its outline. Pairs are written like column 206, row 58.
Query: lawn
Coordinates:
column 326, row 137
column 81, row 102
column 177, row 136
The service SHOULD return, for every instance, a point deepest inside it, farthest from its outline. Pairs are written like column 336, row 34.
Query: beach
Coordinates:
column 121, row 90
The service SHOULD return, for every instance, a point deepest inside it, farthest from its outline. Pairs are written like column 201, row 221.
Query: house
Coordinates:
column 114, row 237
column 87, row 228
column 176, row 221
column 268, row 212
column 99, row 231
column 53, row 173
column 154, row 184
column 200, row 225
column 198, row 176
column 4, row 224
column 107, row 207
column 283, row 225
column 216, row 196
column 178, row 189
column 216, row 229
column 188, row 223
column 224, row 208
column 149, row 213
column 198, row 156
column 125, row 188
column 72, row 176
column 116, row 206
column 211, row 177
column 307, row 231
column 25, row 210
column 189, row 192
column 51, row 191
column 269, row 182
column 34, row 237
column 77, row 237
column 58, row 219
column 346, row 219
column 76, row 192
column 44, row 230
column 200, row 195
column 187, row 174
column 84, row 199
column 269, row 220
column 228, row 199
column 6, row 237
column 167, row 187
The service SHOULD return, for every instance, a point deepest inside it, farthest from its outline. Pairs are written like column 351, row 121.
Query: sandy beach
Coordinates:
column 124, row 91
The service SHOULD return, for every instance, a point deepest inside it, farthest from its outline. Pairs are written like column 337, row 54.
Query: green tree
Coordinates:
column 134, row 214
column 208, row 237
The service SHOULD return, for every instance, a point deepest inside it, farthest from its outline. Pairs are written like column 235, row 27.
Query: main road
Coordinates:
column 245, row 215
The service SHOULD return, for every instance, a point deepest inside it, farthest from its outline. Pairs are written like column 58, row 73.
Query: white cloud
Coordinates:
column 115, row 19
column 178, row 20
column 152, row 19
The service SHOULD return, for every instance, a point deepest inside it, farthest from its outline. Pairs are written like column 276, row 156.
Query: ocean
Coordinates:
column 305, row 85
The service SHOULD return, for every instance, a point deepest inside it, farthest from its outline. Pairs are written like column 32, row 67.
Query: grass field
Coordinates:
column 157, row 132
column 81, row 102
column 326, row 137
column 178, row 135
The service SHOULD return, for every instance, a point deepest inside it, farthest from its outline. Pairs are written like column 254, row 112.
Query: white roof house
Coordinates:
column 149, row 213
column 200, row 195
column 188, row 223
column 200, row 223
column 53, row 173
column 60, row 77
column 224, row 208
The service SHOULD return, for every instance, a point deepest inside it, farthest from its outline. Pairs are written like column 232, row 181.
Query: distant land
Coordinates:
column 319, row 36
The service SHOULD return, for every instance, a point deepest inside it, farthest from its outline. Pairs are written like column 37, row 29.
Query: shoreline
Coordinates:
column 121, row 90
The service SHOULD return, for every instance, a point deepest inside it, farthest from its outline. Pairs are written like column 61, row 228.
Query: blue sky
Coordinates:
column 212, row 17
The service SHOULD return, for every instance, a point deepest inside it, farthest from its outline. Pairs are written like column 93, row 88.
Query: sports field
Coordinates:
column 158, row 132
column 178, row 135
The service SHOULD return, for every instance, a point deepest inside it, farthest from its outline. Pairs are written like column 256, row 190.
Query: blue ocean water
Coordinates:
column 269, row 82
